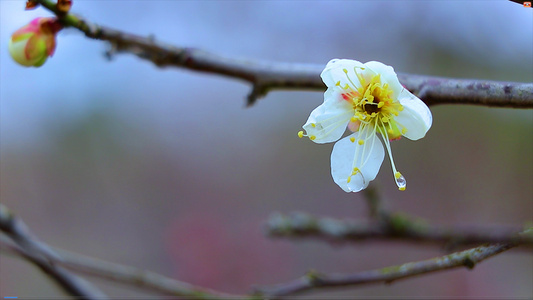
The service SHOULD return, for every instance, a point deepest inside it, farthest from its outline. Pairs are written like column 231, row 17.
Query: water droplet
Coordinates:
column 401, row 182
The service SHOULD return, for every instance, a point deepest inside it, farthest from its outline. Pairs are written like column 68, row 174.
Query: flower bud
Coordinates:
column 32, row 44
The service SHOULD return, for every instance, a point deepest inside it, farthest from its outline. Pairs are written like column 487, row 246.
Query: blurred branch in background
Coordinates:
column 397, row 227
column 44, row 257
column 388, row 226
column 268, row 76
column 391, row 226
column 51, row 260
column 54, row 262
column 315, row 280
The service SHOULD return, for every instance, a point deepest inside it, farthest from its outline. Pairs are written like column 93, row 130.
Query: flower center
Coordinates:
column 371, row 101
column 370, row 108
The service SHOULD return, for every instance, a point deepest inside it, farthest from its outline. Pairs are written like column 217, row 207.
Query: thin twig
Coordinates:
column 44, row 257
column 375, row 207
column 139, row 278
column 55, row 261
column 394, row 227
column 314, row 280
column 128, row 275
column 521, row 2
column 267, row 76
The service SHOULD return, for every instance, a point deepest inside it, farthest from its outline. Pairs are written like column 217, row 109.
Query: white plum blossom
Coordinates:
column 367, row 99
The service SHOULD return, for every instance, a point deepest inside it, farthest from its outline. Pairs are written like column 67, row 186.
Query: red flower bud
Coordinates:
column 32, row 44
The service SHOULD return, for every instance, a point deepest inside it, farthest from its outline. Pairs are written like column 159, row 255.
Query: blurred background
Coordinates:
column 166, row 170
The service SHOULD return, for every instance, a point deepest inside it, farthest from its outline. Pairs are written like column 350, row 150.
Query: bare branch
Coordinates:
column 60, row 259
column 55, row 262
column 44, row 257
column 137, row 277
column 392, row 227
column 314, row 280
column 267, row 76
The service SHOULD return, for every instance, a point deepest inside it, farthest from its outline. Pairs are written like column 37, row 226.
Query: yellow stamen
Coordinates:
column 360, row 142
column 312, row 138
column 300, row 134
column 361, row 78
column 313, row 125
column 355, row 171
column 352, row 139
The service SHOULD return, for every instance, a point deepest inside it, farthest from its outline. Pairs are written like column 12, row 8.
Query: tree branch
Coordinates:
column 52, row 260
column 44, row 257
column 392, row 227
column 267, row 76
column 55, row 261
column 314, row 280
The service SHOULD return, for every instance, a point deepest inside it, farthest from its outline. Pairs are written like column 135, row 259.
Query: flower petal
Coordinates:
column 16, row 49
column 348, row 155
column 35, row 47
column 328, row 121
column 334, row 72
column 387, row 75
column 415, row 118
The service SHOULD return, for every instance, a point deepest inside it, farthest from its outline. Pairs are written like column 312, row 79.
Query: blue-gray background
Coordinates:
column 165, row 170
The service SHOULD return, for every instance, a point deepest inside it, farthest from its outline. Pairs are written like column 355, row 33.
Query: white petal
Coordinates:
column 346, row 156
column 334, row 72
column 387, row 76
column 415, row 118
column 328, row 121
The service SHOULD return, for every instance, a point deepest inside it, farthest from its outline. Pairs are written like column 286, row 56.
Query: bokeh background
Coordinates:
column 166, row 170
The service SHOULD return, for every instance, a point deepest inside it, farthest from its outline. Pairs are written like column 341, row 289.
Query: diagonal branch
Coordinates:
column 267, row 76
column 314, row 280
column 127, row 275
column 55, row 262
column 392, row 227
column 44, row 257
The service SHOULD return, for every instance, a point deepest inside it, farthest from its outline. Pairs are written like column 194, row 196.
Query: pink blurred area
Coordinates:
column 166, row 170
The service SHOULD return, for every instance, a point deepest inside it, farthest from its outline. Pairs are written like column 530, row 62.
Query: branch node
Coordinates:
column 468, row 262
column 109, row 54
column 313, row 277
column 258, row 91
